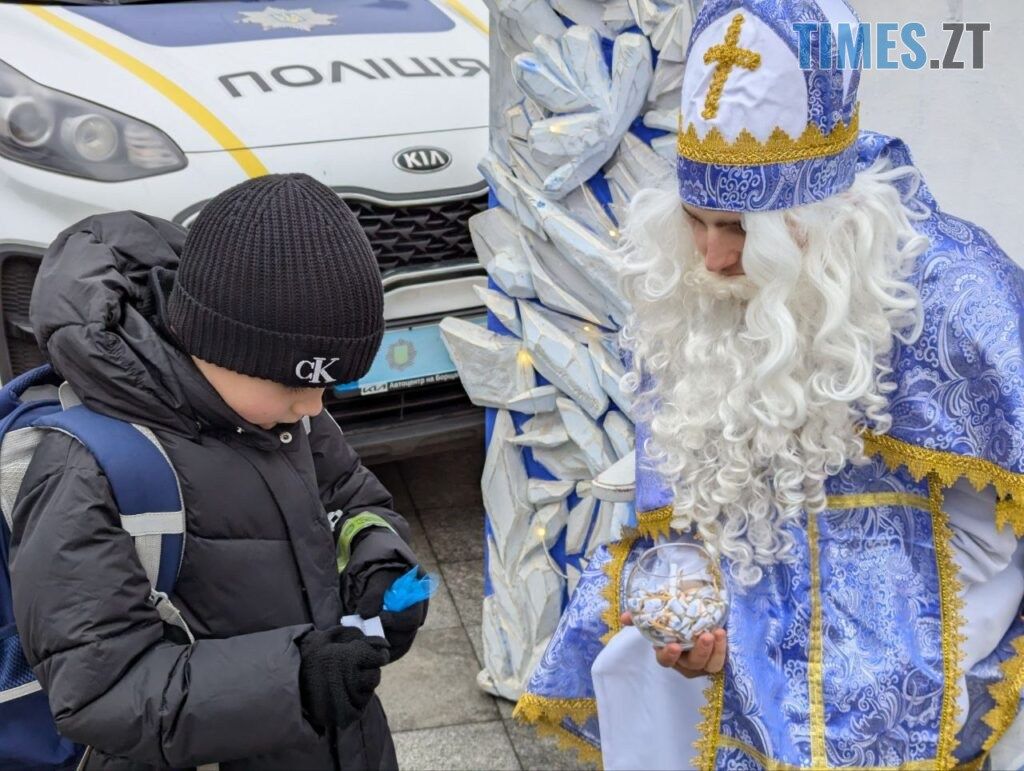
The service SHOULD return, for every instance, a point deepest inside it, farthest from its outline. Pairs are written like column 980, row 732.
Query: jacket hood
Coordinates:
column 97, row 310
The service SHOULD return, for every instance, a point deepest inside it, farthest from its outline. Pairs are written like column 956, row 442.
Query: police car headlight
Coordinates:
column 52, row 130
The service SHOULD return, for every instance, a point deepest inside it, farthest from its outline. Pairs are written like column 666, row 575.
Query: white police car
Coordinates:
column 159, row 106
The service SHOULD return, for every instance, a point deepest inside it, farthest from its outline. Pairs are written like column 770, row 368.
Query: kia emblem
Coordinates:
column 423, row 160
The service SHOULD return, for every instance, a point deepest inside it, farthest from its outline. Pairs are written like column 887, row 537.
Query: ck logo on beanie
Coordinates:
column 314, row 370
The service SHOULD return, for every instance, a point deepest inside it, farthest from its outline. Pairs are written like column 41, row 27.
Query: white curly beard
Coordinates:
column 760, row 384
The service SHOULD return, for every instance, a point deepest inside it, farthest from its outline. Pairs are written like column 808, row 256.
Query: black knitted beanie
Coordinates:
column 277, row 280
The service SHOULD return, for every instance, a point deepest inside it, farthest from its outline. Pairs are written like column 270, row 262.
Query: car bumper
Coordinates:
column 389, row 440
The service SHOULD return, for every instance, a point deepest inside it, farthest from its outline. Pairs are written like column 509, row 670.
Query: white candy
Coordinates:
column 682, row 618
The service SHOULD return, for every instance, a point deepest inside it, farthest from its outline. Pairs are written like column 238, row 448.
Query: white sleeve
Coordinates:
column 979, row 548
column 991, row 575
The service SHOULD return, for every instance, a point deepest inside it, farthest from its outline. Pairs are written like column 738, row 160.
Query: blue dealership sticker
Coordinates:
column 206, row 23
column 409, row 357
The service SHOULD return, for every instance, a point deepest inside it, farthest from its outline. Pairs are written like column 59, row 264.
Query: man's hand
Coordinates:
column 705, row 658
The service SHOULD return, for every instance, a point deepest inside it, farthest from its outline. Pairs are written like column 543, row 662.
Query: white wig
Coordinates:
column 757, row 387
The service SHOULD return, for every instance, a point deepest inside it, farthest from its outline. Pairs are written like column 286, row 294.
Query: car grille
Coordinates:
column 419, row 235
column 355, row 412
column 17, row 275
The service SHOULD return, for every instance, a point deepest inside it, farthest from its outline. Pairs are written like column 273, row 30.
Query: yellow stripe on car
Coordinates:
column 460, row 8
column 209, row 122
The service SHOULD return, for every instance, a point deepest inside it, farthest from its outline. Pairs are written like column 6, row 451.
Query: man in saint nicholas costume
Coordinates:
column 829, row 374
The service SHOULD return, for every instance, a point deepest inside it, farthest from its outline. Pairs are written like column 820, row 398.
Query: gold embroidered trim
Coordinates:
column 921, row 461
column 867, row 500
column 1006, row 694
column 780, row 147
column 655, row 523
column 1010, row 512
column 546, row 716
column 612, row 593
column 727, row 55
column 951, row 604
column 815, row 652
column 532, row 708
column 770, row 764
column 710, row 728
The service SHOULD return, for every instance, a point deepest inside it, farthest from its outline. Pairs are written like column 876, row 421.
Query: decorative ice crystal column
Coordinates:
column 584, row 106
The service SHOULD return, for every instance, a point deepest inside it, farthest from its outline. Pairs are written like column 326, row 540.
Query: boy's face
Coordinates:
column 262, row 402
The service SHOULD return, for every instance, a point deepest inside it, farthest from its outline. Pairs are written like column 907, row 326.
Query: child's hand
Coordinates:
column 340, row 668
column 705, row 658
column 401, row 627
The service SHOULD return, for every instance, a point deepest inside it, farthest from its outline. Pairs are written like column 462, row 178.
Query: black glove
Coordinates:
column 339, row 671
column 401, row 627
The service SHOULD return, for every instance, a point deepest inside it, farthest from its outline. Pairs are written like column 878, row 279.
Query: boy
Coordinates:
column 222, row 344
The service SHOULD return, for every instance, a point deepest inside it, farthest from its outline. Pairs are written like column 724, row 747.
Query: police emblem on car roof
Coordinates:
column 304, row 19
column 420, row 160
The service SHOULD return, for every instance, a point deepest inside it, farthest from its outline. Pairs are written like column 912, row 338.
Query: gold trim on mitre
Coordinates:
column 747, row 150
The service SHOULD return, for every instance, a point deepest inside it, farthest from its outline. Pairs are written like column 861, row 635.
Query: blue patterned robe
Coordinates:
column 849, row 656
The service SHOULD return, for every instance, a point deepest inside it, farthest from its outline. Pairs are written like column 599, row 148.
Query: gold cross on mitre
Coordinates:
column 727, row 55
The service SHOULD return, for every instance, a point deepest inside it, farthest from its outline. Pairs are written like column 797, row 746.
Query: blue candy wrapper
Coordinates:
column 407, row 590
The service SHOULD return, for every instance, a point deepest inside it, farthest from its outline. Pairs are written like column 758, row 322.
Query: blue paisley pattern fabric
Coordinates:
column 848, row 638
column 961, row 384
column 767, row 187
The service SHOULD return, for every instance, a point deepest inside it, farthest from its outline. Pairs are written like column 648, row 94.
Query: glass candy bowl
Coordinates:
column 675, row 594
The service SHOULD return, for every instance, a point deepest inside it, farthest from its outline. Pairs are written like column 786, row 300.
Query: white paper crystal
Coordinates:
column 535, row 401
column 562, row 361
column 556, row 294
column 561, row 286
column 518, row 619
column 505, row 490
column 579, row 523
column 581, row 331
column 622, row 513
column 601, row 533
column 587, row 435
column 496, row 240
column 610, row 372
column 582, row 204
column 620, row 432
column 572, row 579
column 545, row 430
column 593, row 255
column 494, row 368
column 542, row 492
column 550, row 522
column 668, row 24
column 592, row 107
column 506, row 188
column 635, row 167
column 565, row 461
column 617, row 483
column 520, row 21
column 664, row 91
column 666, row 120
column 618, row 15
column 590, row 14
column 503, row 307
column 530, row 170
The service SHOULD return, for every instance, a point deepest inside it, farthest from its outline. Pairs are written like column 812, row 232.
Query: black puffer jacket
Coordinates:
column 259, row 557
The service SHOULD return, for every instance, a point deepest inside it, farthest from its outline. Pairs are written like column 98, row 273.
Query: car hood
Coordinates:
column 275, row 73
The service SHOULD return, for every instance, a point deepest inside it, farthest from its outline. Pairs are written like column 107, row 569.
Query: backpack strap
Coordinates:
column 145, row 488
